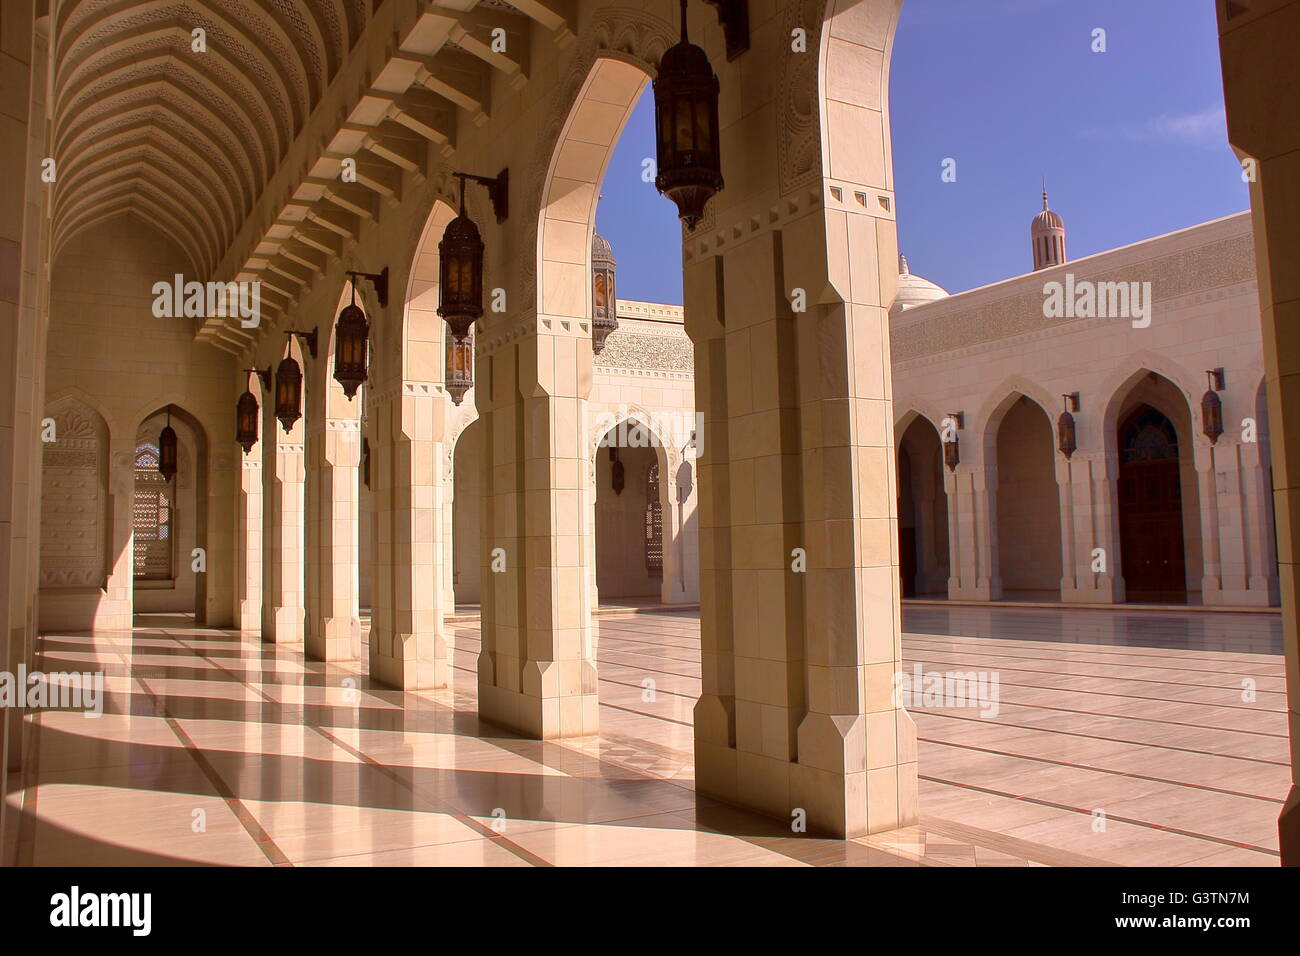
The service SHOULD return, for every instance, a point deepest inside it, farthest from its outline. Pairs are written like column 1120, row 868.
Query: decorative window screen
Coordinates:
column 152, row 518
column 654, row 525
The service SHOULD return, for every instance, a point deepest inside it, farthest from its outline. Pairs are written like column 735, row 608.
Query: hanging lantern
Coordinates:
column 460, row 289
column 604, row 305
column 351, row 342
column 616, row 471
column 1212, row 407
column 168, row 452
column 952, row 423
column 246, row 413
column 1067, row 440
column 686, row 128
column 460, row 368
column 288, row 392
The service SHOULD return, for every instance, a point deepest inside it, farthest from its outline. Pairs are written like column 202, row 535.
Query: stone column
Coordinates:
column 799, row 571
column 333, row 620
column 1207, row 499
column 410, row 648
column 537, row 669
column 283, row 613
column 249, row 524
column 1087, row 524
column 1261, row 79
column 1256, row 493
column 970, row 535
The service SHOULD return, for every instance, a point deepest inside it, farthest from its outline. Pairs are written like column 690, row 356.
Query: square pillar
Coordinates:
column 410, row 648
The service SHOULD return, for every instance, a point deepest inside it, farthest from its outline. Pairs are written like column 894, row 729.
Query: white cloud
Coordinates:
column 1206, row 129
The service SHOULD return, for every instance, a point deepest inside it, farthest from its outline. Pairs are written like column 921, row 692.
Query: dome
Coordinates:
column 913, row 290
column 1046, row 220
column 1047, row 236
column 601, row 250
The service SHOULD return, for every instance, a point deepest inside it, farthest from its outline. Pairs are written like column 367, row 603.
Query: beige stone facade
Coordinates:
column 1016, row 516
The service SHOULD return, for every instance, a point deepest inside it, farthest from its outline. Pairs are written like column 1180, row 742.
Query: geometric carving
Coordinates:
column 640, row 350
column 799, row 141
column 74, row 499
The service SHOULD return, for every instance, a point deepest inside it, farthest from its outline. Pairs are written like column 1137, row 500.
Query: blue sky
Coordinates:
column 1132, row 141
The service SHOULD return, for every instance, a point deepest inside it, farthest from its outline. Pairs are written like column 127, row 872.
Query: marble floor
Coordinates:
column 1154, row 738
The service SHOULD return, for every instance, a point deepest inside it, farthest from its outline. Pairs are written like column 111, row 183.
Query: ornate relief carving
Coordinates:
column 799, row 138
column 1224, row 262
column 73, row 502
column 639, row 350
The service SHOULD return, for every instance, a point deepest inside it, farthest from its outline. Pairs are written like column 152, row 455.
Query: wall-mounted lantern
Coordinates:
column 1212, row 405
column 1067, row 440
column 616, row 471
column 168, row 450
column 460, row 259
column 352, row 335
column 247, row 411
column 288, row 380
column 953, row 422
column 460, row 368
column 604, row 305
column 686, row 128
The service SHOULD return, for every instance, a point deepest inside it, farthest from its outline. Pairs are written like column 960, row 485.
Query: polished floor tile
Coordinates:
column 1118, row 738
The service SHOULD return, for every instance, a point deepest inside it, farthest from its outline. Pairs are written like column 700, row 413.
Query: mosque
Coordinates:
column 415, row 496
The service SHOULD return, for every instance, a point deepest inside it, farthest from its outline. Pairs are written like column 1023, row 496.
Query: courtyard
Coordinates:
column 1120, row 738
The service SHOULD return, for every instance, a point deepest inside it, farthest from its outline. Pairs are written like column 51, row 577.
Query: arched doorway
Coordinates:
column 169, row 518
column 1152, row 548
column 1028, row 504
column 1156, row 491
column 922, row 511
column 629, row 517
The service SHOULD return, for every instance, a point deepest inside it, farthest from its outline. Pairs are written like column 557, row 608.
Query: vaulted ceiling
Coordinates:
column 187, row 139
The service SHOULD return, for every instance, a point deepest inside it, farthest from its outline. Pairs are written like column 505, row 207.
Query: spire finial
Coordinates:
column 685, row 38
column 902, row 265
column 1044, row 192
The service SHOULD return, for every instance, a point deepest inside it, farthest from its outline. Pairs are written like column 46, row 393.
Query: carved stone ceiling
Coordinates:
column 186, row 139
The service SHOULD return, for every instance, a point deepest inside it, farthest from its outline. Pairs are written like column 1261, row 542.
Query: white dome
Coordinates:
column 913, row 290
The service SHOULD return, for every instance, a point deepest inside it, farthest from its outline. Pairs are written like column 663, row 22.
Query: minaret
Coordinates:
column 1048, row 234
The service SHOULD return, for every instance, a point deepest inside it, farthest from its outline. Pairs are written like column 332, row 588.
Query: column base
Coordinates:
column 250, row 616
column 558, row 714
column 333, row 639
column 285, row 625
column 409, row 661
column 857, row 774
column 1288, row 828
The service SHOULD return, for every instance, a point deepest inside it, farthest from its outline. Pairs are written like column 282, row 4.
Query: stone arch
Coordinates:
column 420, row 356
column 185, row 590
column 620, row 568
column 923, row 533
column 1100, row 430
column 1020, row 463
column 999, row 402
column 567, row 215
column 1144, row 497
column 467, row 489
